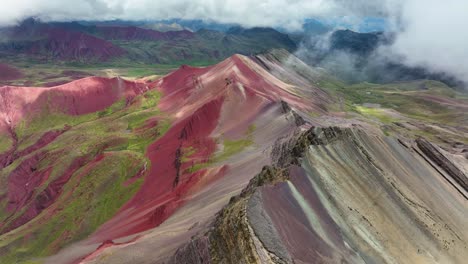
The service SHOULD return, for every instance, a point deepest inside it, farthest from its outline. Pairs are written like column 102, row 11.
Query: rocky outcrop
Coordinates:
column 231, row 239
column 308, row 207
column 443, row 162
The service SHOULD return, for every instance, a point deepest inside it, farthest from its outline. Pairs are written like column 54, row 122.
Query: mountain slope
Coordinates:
column 198, row 102
column 55, row 42
column 332, row 196
column 8, row 73
column 358, row 57
column 89, row 44
column 245, row 161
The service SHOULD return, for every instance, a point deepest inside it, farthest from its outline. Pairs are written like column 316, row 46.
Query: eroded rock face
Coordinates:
column 443, row 162
column 344, row 197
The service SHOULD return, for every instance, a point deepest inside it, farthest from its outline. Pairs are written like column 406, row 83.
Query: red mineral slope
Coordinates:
column 72, row 45
column 56, row 42
column 22, row 104
column 191, row 87
column 206, row 103
column 169, row 179
column 9, row 73
column 235, row 108
column 75, row 98
column 22, row 184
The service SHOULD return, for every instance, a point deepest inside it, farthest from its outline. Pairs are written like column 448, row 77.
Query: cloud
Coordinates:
column 287, row 13
column 428, row 33
column 14, row 11
column 434, row 36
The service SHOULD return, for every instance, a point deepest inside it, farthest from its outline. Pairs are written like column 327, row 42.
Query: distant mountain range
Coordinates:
column 87, row 43
column 349, row 55
column 354, row 57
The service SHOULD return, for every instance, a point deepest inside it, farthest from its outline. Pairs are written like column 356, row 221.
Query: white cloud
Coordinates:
column 287, row 13
column 435, row 36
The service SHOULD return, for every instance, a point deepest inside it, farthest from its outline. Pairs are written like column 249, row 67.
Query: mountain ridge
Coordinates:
column 72, row 41
column 187, row 162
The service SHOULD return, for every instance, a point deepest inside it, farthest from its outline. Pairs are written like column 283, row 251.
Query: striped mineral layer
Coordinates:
column 246, row 161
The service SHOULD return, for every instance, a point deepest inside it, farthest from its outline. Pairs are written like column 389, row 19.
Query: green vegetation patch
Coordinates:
column 230, row 148
column 6, row 142
column 376, row 113
column 31, row 129
column 91, row 197
column 120, row 134
column 412, row 100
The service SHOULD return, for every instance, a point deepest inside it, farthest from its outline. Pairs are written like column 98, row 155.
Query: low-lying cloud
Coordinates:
column 429, row 33
column 287, row 13
column 434, row 35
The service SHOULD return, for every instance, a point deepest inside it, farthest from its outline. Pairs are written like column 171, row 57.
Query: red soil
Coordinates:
column 22, row 185
column 191, row 87
column 55, row 83
column 75, row 98
column 65, row 43
column 225, row 98
column 169, row 180
column 9, row 73
column 204, row 103
column 11, row 155
column 23, row 196
column 74, row 45
column 247, row 88
column 101, row 248
column 17, row 104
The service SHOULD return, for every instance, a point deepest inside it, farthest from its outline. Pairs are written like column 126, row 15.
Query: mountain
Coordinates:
column 8, row 73
column 259, row 159
column 197, row 24
column 52, row 42
column 208, row 46
column 135, row 33
column 163, row 27
column 314, row 27
column 355, row 57
column 357, row 43
column 117, row 43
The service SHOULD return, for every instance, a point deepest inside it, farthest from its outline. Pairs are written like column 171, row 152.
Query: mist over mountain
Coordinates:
column 358, row 57
column 416, row 32
column 351, row 56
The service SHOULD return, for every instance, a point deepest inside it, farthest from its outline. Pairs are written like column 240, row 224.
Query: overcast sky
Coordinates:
column 431, row 33
column 287, row 13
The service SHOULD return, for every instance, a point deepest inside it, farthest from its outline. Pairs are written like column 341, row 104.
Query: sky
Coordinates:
column 429, row 33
